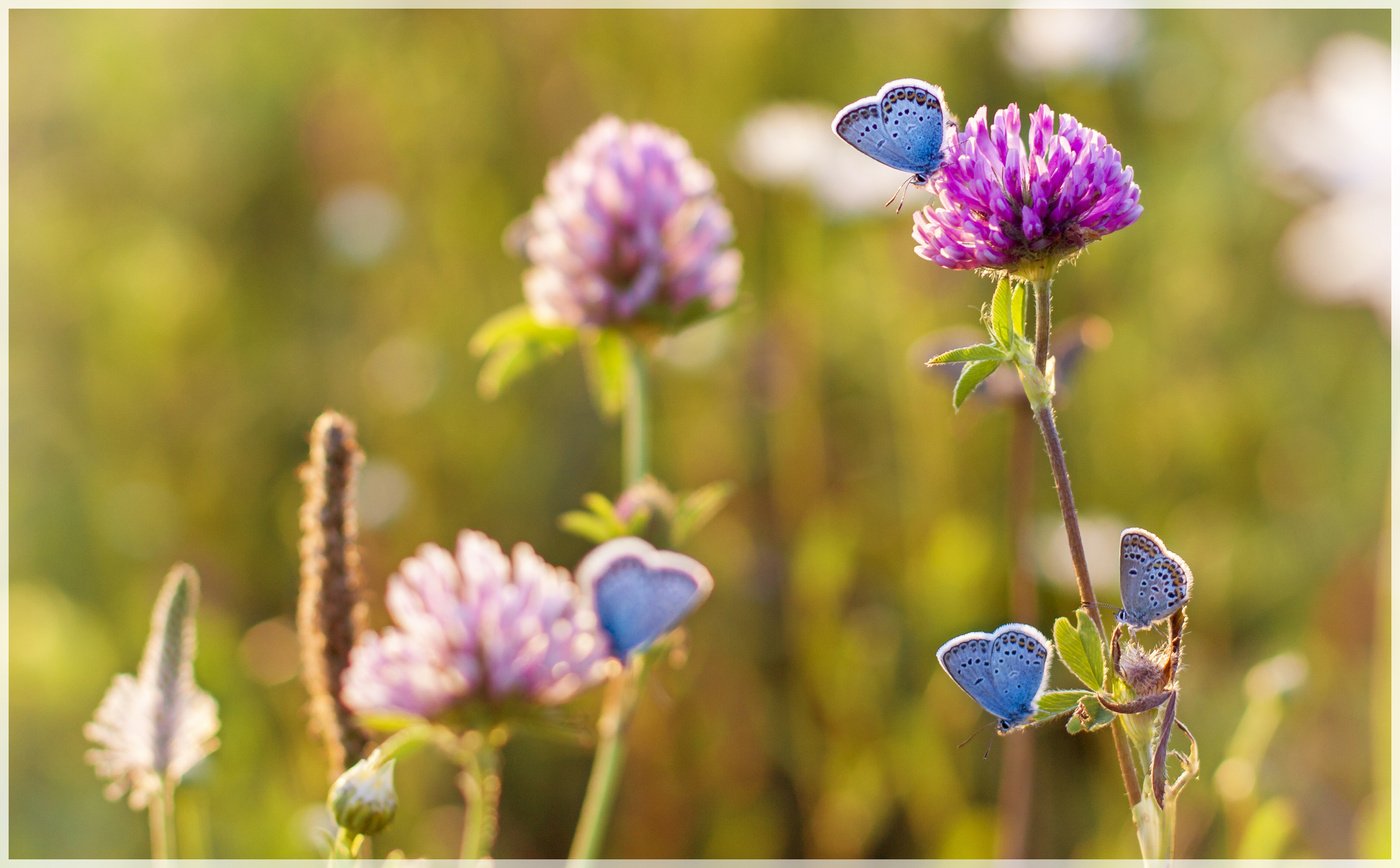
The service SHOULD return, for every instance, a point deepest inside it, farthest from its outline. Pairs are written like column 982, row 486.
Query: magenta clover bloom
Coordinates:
column 476, row 625
column 1008, row 210
column 629, row 230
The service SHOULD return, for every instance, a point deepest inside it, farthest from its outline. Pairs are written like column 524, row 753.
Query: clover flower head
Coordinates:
column 1005, row 208
column 476, row 625
column 630, row 229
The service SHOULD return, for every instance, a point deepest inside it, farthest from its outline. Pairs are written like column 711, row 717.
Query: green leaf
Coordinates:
column 973, row 374
column 590, row 526
column 513, row 343
column 974, row 353
column 697, row 508
column 605, row 360
column 1001, row 313
column 599, row 505
column 388, row 721
column 1089, row 716
column 1071, row 648
column 1093, row 646
column 506, row 364
column 410, row 739
column 1053, row 703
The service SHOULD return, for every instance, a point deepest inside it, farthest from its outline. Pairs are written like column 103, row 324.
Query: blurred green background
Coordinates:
column 225, row 222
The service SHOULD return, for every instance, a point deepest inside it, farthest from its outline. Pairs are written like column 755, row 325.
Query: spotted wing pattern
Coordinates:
column 901, row 126
column 1154, row 582
column 1005, row 671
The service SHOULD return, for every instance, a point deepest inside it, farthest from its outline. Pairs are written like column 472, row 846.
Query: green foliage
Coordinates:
column 605, row 360
column 695, row 509
column 973, row 373
column 974, row 353
column 1080, row 649
column 684, row 512
column 1053, row 703
column 600, row 522
column 513, row 343
column 1089, row 716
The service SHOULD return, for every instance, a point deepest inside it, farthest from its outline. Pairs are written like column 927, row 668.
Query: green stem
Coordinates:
column 160, row 828
column 343, row 851
column 613, row 723
column 636, row 416
column 480, row 783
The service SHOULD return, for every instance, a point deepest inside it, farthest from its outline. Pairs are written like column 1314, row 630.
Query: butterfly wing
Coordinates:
column 860, row 125
column 1154, row 582
column 911, row 112
column 968, row 661
column 1020, row 669
column 637, row 604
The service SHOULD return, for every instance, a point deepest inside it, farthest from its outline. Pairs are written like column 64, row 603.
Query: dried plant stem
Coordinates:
column 331, row 611
column 1045, row 419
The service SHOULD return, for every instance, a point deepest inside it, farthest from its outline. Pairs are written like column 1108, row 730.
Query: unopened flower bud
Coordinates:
column 363, row 800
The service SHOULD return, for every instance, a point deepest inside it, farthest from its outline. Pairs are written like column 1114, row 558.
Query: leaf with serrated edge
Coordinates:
column 973, row 373
column 974, row 353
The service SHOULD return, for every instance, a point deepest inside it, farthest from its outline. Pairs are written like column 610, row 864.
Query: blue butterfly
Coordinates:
column 901, row 126
column 1154, row 582
column 641, row 593
column 1005, row 671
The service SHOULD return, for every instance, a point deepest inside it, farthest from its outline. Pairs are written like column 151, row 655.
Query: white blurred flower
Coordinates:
column 1071, row 40
column 791, row 145
column 1326, row 140
column 360, row 222
column 1052, row 558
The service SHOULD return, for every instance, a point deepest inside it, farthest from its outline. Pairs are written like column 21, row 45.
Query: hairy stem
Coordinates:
column 1042, row 323
column 480, row 783
column 1045, row 419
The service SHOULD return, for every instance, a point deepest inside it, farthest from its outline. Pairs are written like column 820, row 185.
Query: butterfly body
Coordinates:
column 1004, row 671
column 1154, row 582
column 902, row 126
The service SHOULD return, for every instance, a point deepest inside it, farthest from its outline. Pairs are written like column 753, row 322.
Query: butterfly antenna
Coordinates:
column 900, row 193
column 964, row 742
